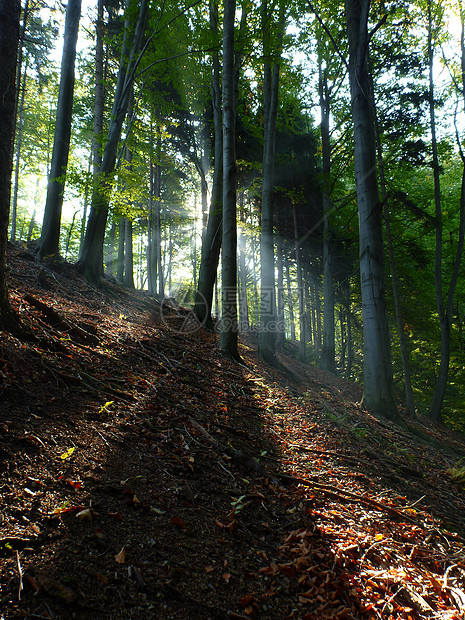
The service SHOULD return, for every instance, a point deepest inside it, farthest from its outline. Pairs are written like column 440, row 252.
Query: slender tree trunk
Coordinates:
column 128, row 277
column 30, row 228
column 280, row 332
column 328, row 353
column 378, row 383
column 50, row 238
column 158, row 219
column 110, row 263
column 256, row 306
column 90, row 262
column 290, row 301
column 9, row 40
column 445, row 302
column 99, row 91
column 152, row 245
column 268, row 319
column 243, row 301
column 409, row 400
column 213, row 234
column 120, row 258
column 19, row 117
column 228, row 335
column 18, row 145
column 300, row 290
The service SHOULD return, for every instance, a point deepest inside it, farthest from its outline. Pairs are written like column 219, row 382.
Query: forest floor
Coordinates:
column 142, row 475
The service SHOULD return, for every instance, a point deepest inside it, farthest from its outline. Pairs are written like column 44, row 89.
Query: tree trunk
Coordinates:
column 211, row 244
column 120, row 258
column 300, row 290
column 9, row 39
column 328, row 352
column 50, row 238
column 378, row 383
column 444, row 306
column 128, row 276
column 90, row 262
column 280, row 332
column 18, row 145
column 409, row 400
column 268, row 319
column 152, row 246
column 99, row 91
column 290, row 301
column 228, row 335
column 243, row 301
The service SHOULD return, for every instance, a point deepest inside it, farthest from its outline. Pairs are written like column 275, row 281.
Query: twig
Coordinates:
column 20, row 573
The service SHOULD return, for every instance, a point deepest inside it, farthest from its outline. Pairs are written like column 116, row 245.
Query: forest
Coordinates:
column 231, row 309
column 293, row 171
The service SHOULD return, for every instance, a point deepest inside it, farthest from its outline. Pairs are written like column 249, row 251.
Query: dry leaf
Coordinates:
column 121, row 556
column 84, row 515
column 56, row 589
column 67, row 454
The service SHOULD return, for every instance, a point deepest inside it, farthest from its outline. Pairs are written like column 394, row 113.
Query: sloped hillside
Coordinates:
column 144, row 476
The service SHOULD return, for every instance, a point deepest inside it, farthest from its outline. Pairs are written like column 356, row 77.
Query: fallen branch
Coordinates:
column 57, row 321
column 237, row 455
column 337, row 493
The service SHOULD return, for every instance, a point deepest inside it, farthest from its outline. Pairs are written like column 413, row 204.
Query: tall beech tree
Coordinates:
column 50, row 237
column 229, row 327
column 272, row 56
column 377, row 371
column 9, row 39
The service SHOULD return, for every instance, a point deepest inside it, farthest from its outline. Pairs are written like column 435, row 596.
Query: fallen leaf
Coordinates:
column 101, row 578
column 105, row 406
column 67, row 454
column 116, row 515
column 178, row 522
column 84, row 515
column 56, row 589
column 121, row 556
column 246, row 600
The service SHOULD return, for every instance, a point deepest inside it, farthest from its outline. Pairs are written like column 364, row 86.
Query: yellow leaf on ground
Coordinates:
column 67, row 454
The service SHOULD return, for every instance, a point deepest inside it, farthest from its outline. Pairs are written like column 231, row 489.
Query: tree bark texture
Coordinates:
column 9, row 40
column 211, row 244
column 272, row 53
column 328, row 352
column 49, row 241
column 378, row 383
column 228, row 335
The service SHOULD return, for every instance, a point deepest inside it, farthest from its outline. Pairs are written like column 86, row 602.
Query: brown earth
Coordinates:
column 142, row 475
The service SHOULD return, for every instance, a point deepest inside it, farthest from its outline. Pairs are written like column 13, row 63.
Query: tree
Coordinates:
column 228, row 335
column 268, row 315
column 377, row 371
column 50, row 237
column 214, row 232
column 90, row 262
column 444, row 300
column 9, row 40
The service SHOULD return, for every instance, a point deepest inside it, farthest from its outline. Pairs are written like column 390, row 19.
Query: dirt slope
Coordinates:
column 144, row 476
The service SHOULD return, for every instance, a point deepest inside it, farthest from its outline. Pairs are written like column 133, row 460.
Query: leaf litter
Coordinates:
column 144, row 476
